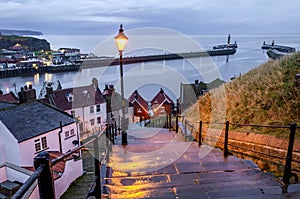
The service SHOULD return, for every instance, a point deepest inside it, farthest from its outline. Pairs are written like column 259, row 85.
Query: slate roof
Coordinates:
column 6, row 105
column 32, row 119
column 136, row 97
column 84, row 96
column 161, row 97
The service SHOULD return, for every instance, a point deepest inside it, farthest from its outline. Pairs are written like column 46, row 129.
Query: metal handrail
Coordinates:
column 62, row 157
column 29, row 182
column 288, row 159
column 40, row 169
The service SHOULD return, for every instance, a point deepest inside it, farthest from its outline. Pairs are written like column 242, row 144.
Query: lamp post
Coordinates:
column 121, row 41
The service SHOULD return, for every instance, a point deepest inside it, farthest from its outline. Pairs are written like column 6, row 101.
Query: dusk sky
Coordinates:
column 189, row 16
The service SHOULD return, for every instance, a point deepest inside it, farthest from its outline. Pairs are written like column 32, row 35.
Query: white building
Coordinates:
column 30, row 128
column 85, row 103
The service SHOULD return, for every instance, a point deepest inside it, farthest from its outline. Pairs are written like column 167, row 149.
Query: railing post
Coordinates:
column 97, row 190
column 200, row 134
column 288, row 162
column 107, row 136
column 176, row 125
column 112, row 134
column 45, row 180
column 226, row 139
column 170, row 122
column 185, row 127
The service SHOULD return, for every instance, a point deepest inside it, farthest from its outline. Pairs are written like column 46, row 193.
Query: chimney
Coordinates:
column 95, row 83
column 26, row 95
column 49, row 90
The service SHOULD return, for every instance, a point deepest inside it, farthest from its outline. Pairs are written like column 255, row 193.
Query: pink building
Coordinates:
column 33, row 127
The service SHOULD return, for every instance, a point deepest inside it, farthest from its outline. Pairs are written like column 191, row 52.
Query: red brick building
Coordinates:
column 162, row 104
column 140, row 106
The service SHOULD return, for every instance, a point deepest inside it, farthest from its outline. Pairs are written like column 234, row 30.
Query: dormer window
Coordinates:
column 86, row 94
column 70, row 97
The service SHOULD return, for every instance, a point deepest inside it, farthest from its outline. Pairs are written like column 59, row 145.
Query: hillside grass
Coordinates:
column 266, row 95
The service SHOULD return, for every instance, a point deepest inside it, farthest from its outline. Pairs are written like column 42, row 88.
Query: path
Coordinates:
column 157, row 164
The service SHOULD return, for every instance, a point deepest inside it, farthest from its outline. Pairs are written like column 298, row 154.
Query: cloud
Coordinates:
column 77, row 15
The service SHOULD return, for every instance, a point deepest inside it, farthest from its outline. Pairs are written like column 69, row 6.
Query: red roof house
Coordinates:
column 9, row 97
column 162, row 104
column 140, row 105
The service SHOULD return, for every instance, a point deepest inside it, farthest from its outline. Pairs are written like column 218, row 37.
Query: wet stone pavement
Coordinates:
column 157, row 163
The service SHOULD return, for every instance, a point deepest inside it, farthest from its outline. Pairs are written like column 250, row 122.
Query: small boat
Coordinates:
column 276, row 54
column 228, row 45
column 277, row 51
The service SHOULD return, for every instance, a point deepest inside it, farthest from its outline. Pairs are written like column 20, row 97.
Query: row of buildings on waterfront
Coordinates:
column 58, row 123
column 19, row 57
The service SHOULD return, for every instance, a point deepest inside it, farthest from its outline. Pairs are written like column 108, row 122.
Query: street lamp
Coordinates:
column 121, row 41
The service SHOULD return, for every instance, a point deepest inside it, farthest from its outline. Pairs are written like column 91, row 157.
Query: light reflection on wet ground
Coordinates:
column 164, row 166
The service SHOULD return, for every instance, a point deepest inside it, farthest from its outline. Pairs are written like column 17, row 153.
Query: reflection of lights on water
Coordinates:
column 48, row 77
column 36, row 78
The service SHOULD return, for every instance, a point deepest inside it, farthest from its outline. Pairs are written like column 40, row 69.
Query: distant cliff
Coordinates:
column 29, row 43
column 19, row 32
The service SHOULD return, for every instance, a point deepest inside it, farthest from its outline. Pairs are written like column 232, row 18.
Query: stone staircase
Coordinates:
column 196, row 173
column 158, row 164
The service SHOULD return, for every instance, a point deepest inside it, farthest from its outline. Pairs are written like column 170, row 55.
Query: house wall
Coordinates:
column 14, row 173
column 27, row 148
column 19, row 174
column 67, row 144
column 73, row 170
column 8, row 146
column 83, row 113
column 3, row 175
column 142, row 114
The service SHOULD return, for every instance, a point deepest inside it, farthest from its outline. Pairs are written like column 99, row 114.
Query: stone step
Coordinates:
column 146, row 183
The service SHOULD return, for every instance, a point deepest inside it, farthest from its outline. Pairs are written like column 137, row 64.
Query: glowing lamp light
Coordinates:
column 121, row 39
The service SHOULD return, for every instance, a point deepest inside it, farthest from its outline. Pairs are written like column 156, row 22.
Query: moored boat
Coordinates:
column 277, row 51
column 275, row 54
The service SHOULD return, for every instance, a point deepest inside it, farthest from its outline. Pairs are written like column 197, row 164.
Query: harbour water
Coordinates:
column 148, row 78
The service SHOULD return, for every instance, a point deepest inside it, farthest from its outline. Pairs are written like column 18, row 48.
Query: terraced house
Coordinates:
column 32, row 127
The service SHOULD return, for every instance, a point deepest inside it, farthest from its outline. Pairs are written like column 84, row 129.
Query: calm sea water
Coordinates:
column 148, row 78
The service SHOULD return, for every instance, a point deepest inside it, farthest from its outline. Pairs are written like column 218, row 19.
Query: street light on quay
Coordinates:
column 121, row 40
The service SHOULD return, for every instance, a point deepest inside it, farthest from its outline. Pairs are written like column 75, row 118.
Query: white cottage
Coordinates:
column 29, row 128
column 86, row 103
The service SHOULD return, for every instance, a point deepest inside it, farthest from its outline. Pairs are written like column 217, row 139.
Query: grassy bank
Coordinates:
column 266, row 95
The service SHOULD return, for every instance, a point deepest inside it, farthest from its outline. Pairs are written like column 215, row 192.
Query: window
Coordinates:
column 98, row 108
column 92, row 122
column 139, row 110
column 40, row 144
column 72, row 132
column 37, row 145
column 67, row 134
column 91, row 109
column 98, row 120
column 44, row 142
